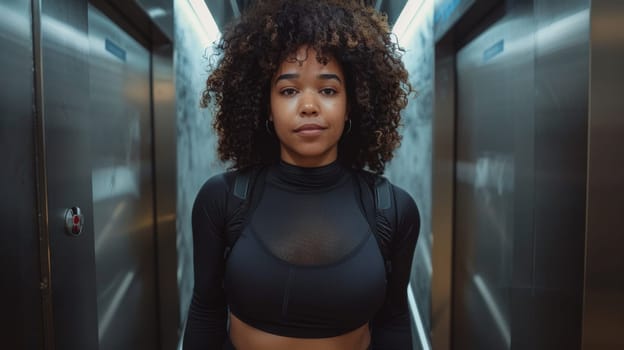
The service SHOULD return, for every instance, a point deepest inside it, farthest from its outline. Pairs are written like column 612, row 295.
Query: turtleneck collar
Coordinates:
column 300, row 178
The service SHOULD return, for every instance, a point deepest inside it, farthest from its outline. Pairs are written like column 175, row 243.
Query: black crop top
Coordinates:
column 306, row 263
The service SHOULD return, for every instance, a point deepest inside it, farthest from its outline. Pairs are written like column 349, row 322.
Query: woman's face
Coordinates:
column 308, row 109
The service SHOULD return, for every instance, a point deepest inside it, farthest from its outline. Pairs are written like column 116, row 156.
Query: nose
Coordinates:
column 309, row 106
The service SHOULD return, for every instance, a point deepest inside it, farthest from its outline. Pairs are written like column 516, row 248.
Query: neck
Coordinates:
column 310, row 178
column 309, row 162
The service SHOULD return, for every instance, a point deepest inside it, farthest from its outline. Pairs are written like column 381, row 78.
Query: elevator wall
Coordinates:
column 516, row 94
column 70, row 140
column 123, row 198
column 21, row 305
column 66, row 141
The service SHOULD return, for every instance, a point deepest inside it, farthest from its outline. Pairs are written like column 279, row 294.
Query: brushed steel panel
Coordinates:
column 20, row 300
column 493, row 179
column 522, row 125
column 603, row 319
column 65, row 82
column 553, row 307
column 123, row 210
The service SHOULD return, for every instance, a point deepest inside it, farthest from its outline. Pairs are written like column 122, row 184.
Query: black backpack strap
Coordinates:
column 241, row 184
column 248, row 185
column 382, row 216
column 383, row 193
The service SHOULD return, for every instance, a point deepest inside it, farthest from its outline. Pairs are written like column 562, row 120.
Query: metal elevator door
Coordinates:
column 493, row 221
column 522, row 97
column 123, row 200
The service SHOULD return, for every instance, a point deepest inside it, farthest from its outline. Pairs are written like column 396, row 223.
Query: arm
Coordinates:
column 391, row 326
column 207, row 316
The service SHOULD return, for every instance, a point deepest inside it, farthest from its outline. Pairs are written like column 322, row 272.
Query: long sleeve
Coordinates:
column 391, row 326
column 207, row 316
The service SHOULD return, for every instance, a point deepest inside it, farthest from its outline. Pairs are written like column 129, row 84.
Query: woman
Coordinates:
column 309, row 92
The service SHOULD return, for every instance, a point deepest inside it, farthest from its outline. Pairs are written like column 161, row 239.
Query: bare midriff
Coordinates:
column 246, row 337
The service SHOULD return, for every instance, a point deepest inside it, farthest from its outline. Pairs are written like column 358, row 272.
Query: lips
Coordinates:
column 310, row 128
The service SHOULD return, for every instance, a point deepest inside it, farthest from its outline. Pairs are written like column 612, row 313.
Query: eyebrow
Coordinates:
column 329, row 76
column 295, row 76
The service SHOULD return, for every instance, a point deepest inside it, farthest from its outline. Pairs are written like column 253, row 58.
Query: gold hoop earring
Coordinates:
column 349, row 127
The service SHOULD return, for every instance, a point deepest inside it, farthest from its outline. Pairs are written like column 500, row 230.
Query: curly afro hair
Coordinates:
column 252, row 48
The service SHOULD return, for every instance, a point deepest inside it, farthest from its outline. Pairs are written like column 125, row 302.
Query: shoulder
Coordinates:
column 213, row 196
column 218, row 189
column 218, row 185
column 211, row 207
column 405, row 203
column 403, row 212
column 402, row 198
column 408, row 215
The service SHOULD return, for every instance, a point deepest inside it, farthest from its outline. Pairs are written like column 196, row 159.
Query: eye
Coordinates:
column 288, row 91
column 328, row 91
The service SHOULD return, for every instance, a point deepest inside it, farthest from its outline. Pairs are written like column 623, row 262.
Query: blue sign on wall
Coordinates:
column 115, row 50
column 493, row 50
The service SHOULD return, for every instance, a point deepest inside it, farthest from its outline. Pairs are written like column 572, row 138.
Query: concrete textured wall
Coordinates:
column 197, row 158
column 411, row 167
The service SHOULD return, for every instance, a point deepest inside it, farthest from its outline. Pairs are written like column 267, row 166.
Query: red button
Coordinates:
column 76, row 229
column 76, row 219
